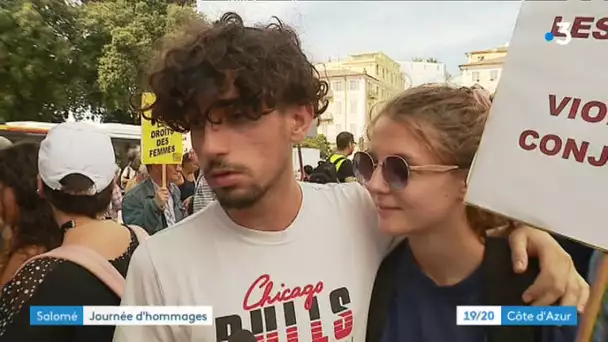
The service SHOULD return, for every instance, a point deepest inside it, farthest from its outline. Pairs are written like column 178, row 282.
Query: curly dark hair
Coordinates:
column 19, row 171
column 270, row 70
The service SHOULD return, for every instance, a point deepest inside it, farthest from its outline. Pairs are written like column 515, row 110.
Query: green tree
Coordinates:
column 40, row 60
column 81, row 57
column 319, row 142
column 122, row 35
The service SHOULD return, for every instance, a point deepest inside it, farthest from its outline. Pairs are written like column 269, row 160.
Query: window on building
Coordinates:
column 338, row 128
column 475, row 76
column 493, row 75
column 354, row 106
column 353, row 130
column 337, row 86
column 353, row 85
column 338, row 108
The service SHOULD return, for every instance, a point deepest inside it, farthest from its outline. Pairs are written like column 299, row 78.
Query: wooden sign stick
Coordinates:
column 164, row 184
column 594, row 304
column 301, row 162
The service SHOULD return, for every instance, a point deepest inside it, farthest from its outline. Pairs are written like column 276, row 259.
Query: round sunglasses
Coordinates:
column 395, row 170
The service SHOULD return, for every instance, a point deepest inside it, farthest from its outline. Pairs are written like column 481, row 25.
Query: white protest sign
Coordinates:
column 543, row 156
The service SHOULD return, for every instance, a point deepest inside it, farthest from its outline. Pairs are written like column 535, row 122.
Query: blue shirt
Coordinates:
column 422, row 311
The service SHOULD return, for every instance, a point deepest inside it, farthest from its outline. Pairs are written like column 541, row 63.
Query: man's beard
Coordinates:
column 252, row 196
column 243, row 198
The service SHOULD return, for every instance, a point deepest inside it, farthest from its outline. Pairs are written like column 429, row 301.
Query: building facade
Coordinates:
column 483, row 68
column 357, row 85
column 418, row 73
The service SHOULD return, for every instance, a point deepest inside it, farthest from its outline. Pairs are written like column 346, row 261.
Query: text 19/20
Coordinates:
column 481, row 315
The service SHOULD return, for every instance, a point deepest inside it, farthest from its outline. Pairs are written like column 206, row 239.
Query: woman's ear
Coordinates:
column 462, row 180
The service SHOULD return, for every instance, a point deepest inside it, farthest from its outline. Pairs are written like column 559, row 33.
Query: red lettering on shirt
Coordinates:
column 262, row 293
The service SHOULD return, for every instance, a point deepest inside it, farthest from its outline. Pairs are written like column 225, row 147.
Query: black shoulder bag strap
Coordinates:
column 502, row 286
column 383, row 294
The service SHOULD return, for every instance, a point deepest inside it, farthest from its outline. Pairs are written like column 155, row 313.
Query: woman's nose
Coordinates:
column 376, row 183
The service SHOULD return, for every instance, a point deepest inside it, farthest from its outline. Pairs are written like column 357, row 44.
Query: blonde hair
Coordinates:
column 456, row 117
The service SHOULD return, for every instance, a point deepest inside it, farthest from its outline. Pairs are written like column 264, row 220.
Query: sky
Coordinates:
column 445, row 30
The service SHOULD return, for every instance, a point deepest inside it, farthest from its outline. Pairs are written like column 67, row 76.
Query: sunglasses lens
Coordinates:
column 363, row 166
column 396, row 172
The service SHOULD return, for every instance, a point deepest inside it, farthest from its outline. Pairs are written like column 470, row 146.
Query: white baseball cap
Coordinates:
column 77, row 148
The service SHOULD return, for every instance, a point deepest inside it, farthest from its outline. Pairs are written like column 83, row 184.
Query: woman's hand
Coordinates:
column 558, row 278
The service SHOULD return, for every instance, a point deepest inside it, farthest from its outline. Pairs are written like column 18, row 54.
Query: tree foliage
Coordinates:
column 319, row 142
column 86, row 58
column 427, row 60
column 39, row 60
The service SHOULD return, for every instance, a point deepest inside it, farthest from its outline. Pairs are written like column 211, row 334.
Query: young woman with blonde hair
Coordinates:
column 422, row 145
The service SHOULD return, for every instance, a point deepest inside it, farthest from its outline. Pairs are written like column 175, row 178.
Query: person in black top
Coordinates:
column 422, row 145
column 77, row 180
column 345, row 144
column 189, row 170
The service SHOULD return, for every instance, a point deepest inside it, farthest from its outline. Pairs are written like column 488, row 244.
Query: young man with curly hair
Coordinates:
column 276, row 259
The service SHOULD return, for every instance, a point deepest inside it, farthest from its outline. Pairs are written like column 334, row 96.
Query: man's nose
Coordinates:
column 215, row 141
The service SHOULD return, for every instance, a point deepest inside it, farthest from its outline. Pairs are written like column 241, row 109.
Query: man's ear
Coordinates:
column 302, row 120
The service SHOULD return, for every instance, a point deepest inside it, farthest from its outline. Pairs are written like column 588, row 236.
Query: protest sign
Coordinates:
column 543, row 156
column 159, row 143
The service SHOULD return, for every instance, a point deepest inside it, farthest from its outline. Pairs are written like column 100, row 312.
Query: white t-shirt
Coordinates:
column 264, row 282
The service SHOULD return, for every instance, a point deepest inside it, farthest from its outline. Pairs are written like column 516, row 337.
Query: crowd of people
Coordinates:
column 384, row 253
column 140, row 198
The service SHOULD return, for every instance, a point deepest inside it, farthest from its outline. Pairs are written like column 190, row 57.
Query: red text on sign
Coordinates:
column 583, row 27
column 590, row 111
column 553, row 145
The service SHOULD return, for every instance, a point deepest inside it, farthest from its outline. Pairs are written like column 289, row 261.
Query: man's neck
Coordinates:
column 276, row 211
column 450, row 253
column 342, row 152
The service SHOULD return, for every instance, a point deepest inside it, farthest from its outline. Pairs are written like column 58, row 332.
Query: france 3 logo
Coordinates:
column 562, row 32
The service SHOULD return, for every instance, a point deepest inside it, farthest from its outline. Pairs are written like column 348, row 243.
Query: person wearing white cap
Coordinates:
column 5, row 142
column 76, row 175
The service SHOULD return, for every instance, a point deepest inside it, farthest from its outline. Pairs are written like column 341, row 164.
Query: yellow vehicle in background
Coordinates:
column 124, row 137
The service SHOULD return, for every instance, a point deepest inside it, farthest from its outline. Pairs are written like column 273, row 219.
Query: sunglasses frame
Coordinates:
column 380, row 164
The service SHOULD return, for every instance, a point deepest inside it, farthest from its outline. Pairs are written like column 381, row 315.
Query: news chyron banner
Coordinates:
column 544, row 152
column 517, row 315
column 159, row 143
column 120, row 315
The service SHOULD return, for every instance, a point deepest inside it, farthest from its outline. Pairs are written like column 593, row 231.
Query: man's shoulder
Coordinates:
column 351, row 196
column 343, row 191
column 193, row 226
column 138, row 190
